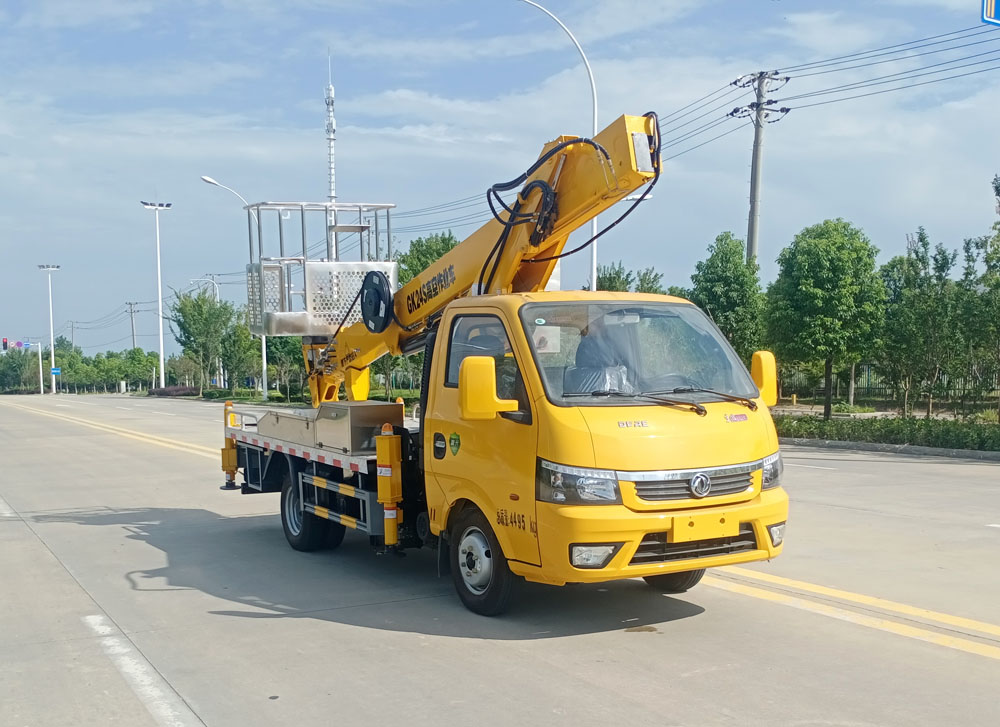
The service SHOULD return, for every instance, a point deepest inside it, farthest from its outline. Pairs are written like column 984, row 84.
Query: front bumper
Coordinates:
column 683, row 532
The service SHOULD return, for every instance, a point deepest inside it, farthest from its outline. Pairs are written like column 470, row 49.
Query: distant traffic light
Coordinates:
column 5, row 344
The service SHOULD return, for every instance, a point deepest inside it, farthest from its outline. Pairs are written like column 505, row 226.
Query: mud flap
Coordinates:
column 443, row 553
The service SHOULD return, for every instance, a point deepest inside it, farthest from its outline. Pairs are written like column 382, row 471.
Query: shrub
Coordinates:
column 842, row 407
column 174, row 391
column 946, row 433
column 275, row 396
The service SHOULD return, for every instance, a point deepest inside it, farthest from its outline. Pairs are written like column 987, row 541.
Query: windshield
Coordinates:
column 600, row 352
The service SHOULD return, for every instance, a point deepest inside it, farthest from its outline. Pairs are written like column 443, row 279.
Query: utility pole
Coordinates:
column 759, row 113
column 131, row 314
column 72, row 335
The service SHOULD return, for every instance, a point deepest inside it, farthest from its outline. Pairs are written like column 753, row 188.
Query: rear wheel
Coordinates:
column 675, row 582
column 303, row 530
column 478, row 566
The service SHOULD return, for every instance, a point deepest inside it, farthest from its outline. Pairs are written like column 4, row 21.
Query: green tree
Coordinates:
column 649, row 281
column 16, row 367
column 184, row 371
column 284, row 358
column 727, row 288
column 614, row 277
column 199, row 322
column 422, row 252
column 827, row 302
column 922, row 339
column 240, row 352
column 679, row 291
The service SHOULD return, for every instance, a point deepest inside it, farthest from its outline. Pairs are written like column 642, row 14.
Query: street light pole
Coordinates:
column 208, row 280
column 156, row 207
column 212, row 281
column 593, row 95
column 52, row 338
column 263, row 338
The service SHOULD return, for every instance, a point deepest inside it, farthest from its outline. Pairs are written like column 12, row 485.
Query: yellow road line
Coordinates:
column 860, row 619
column 885, row 605
column 197, row 449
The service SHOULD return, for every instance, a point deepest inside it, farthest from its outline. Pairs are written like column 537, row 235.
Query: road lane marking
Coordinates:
column 124, row 408
column 993, row 525
column 198, row 449
column 810, row 466
column 163, row 413
column 885, row 605
column 860, row 619
column 160, row 699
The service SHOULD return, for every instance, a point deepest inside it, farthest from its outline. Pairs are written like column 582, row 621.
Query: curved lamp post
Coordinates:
column 593, row 94
column 263, row 339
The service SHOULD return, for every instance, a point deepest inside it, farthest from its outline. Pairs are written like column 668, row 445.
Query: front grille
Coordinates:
column 722, row 484
column 655, row 548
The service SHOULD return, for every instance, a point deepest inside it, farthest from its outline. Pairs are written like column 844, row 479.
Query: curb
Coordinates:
column 894, row 448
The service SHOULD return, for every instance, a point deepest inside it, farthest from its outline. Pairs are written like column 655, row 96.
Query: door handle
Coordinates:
column 440, row 447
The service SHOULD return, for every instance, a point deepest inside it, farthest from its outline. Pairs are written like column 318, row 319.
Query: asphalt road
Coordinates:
column 134, row 592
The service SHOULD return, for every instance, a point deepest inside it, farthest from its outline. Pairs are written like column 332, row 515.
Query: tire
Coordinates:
column 303, row 530
column 675, row 582
column 478, row 567
column 335, row 534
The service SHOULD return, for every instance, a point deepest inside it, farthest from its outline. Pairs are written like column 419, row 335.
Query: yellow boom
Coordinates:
column 573, row 181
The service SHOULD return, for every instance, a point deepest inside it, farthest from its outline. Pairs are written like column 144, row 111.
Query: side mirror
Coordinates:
column 477, row 386
column 764, row 371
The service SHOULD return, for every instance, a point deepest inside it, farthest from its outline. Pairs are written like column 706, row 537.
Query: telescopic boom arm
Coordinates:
column 573, row 180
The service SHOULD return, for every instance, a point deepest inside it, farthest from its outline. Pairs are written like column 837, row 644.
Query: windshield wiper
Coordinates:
column 649, row 396
column 749, row 403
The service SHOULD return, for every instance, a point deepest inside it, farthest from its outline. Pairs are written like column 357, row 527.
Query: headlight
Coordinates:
column 774, row 466
column 576, row 485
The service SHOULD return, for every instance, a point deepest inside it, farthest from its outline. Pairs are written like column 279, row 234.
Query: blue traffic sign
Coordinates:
column 27, row 345
column 57, row 371
column 991, row 11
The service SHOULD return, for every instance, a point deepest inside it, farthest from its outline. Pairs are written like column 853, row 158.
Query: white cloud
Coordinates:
column 54, row 14
column 829, row 33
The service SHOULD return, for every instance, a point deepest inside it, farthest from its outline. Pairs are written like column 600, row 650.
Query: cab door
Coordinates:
column 491, row 462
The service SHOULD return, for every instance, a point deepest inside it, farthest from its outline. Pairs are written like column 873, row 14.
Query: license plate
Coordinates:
column 703, row 527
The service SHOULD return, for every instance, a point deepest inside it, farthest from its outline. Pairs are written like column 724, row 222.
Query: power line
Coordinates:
column 714, row 138
column 901, row 58
column 877, row 52
column 892, row 78
column 898, row 88
column 665, row 131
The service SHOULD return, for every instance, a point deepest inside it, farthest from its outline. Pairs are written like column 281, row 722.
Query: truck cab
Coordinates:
column 585, row 437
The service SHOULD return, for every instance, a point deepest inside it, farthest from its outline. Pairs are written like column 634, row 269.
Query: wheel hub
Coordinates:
column 475, row 559
column 293, row 511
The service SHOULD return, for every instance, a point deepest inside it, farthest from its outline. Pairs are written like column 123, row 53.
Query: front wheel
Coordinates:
column 478, row 567
column 675, row 582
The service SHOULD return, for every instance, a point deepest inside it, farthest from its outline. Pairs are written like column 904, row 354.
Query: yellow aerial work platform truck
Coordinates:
column 561, row 436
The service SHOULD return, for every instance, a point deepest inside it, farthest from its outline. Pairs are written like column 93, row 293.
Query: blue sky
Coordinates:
column 108, row 102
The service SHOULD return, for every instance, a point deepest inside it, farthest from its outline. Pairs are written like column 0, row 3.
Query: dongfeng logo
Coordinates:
column 700, row 485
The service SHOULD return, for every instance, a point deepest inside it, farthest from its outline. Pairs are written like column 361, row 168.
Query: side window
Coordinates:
column 484, row 335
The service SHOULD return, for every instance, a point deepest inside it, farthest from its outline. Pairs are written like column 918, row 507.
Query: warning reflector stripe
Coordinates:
column 384, row 470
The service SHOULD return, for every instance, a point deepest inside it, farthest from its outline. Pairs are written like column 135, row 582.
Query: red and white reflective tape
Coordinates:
column 390, row 513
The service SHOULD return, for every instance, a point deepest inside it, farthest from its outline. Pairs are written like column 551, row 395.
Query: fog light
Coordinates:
column 777, row 533
column 592, row 556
